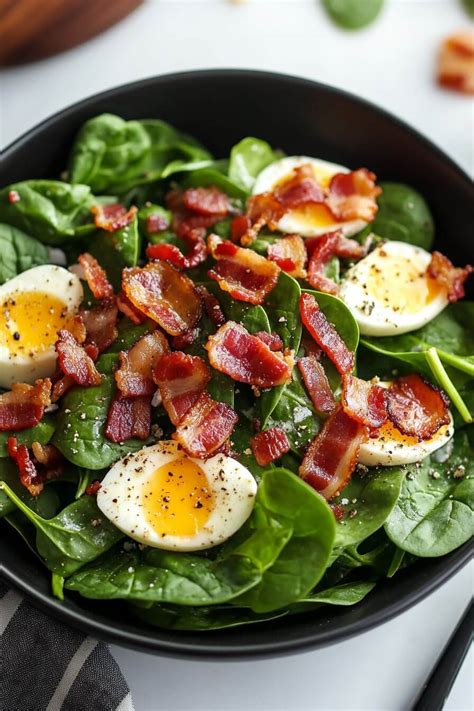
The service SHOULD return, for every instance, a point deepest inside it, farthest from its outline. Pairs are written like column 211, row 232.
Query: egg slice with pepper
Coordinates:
column 33, row 307
column 307, row 220
column 161, row 497
column 390, row 292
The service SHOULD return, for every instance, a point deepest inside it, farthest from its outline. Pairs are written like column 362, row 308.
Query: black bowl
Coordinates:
column 302, row 117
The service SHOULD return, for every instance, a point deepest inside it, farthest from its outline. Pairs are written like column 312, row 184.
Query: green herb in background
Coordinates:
column 469, row 7
column 353, row 14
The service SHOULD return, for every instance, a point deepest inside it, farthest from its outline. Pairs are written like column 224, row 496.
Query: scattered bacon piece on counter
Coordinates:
column 23, row 406
column 416, row 407
column 325, row 335
column 75, row 361
column 269, row 445
column 211, row 306
column 181, row 379
column 112, row 217
column 156, row 223
column 364, row 401
column 272, row 340
column 456, row 62
column 210, row 201
column 196, row 254
column 206, row 427
column 134, row 377
column 128, row 417
column 317, row 384
column 246, row 358
column 95, row 276
column 126, row 307
column 163, row 294
column 246, row 275
column 330, row 245
column 352, row 196
column 100, row 323
column 332, row 455
column 450, row 277
column 290, row 254
column 47, row 463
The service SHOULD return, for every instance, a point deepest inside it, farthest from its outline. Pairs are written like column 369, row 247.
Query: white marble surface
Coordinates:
column 392, row 64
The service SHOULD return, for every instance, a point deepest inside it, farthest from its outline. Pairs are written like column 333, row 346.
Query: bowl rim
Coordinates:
column 199, row 649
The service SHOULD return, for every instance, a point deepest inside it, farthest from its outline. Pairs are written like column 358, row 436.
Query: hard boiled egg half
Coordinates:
column 33, row 307
column 308, row 220
column 161, row 497
column 390, row 292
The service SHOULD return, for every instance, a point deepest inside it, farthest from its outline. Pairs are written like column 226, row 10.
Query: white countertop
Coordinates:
column 392, row 64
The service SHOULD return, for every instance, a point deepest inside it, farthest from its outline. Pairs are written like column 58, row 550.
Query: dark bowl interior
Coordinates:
column 219, row 108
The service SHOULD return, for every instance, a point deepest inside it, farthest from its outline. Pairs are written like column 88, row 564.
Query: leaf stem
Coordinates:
column 57, row 585
column 445, row 382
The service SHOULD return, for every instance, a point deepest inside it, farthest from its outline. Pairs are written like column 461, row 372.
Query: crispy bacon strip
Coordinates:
column 325, row 334
column 196, row 254
column 112, row 217
column 416, row 407
column 182, row 379
column 246, row 275
column 185, row 220
column 330, row 245
column 134, row 377
column 269, row 445
column 240, row 225
column 163, row 294
column 456, row 62
column 289, row 253
column 185, row 339
column 332, row 455
column 128, row 418
column 95, row 276
column 365, row 402
column 47, row 463
column 352, row 196
column 262, row 210
column 300, row 189
column 317, row 384
column 100, row 324
column 126, row 307
column 210, row 202
column 272, row 340
column 206, row 427
column 74, row 360
column 246, row 358
column 450, row 277
column 23, row 406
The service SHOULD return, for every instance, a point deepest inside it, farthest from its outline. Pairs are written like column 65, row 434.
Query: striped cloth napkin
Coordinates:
column 47, row 666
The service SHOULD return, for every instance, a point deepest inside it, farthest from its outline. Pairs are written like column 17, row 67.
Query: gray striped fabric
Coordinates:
column 47, row 666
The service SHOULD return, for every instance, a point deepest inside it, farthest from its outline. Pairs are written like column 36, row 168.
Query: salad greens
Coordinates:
column 18, row 252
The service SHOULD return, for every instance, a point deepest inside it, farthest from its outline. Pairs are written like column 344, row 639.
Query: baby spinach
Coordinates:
column 44, row 504
column 247, row 159
column 404, row 216
column 19, row 252
column 147, row 211
column 353, row 14
column 342, row 595
column 128, row 335
column 117, row 250
column 204, row 177
column 201, row 618
column 41, row 433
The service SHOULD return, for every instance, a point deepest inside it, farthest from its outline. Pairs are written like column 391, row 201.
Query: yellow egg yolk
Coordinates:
column 30, row 321
column 389, row 433
column 313, row 216
column 177, row 499
column 400, row 285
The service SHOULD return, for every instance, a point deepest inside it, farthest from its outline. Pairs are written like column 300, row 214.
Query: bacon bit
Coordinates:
column 169, row 252
column 272, row 340
column 332, row 455
column 211, row 306
column 112, row 217
column 364, row 401
column 210, row 202
column 134, row 377
column 239, row 227
column 300, row 189
column 182, row 379
column 206, row 427
column 448, row 276
column 262, row 210
column 23, row 406
column 327, row 246
column 456, row 62
column 100, row 324
column 128, row 417
column 246, row 275
column 95, row 276
column 317, row 384
column 164, row 294
column 13, row 197
column 47, row 464
column 75, row 361
column 246, row 358
column 93, row 488
column 269, row 445
column 325, row 334
column 352, row 196
column 416, row 407
column 185, row 220
column 126, row 307
column 197, row 250
column 185, row 340
column 338, row 511
column 290, row 255
column 310, row 348
column 156, row 223
column 60, row 387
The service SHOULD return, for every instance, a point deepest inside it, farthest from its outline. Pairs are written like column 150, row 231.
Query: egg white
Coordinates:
column 120, row 497
column 293, row 221
column 46, row 279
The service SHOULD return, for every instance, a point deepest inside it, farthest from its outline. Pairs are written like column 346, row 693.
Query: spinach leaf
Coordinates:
column 19, row 252
column 253, row 317
column 247, row 159
column 353, row 14
column 41, row 433
column 45, row 504
column 128, row 335
column 469, row 7
column 403, row 215
column 434, row 513
column 343, row 595
column 201, row 618
column 205, row 177
column 116, row 250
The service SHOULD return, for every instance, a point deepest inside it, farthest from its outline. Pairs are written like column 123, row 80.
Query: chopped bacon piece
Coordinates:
column 112, row 217
column 61, row 386
column 134, row 377
column 23, row 406
column 416, row 407
column 272, row 340
column 186, row 220
column 156, row 223
column 211, row 306
column 210, row 202
column 269, row 445
column 95, row 276
column 126, row 307
column 206, row 426
column 181, row 379
column 164, row 294
column 13, row 197
column 456, row 62
column 239, row 227
column 364, row 401
column 246, row 358
column 47, row 454
column 332, row 455
column 290, row 255
column 352, row 196
column 185, row 339
column 246, row 275
column 46, row 464
column 300, row 189
column 74, row 360
column 128, row 417
column 101, row 324
column 325, row 334
column 450, row 277
column 93, row 488
column 327, row 246
column 317, row 384
column 197, row 250
column 262, row 210
column 169, row 252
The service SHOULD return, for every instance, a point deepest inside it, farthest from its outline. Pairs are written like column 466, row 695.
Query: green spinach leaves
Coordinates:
column 19, row 252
